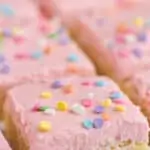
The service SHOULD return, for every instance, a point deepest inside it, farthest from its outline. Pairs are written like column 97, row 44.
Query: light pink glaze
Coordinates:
column 67, row 132
column 3, row 144
column 31, row 38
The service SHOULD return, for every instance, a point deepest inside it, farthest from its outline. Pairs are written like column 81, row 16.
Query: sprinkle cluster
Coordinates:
column 114, row 102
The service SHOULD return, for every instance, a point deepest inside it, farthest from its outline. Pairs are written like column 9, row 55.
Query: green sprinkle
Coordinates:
column 43, row 108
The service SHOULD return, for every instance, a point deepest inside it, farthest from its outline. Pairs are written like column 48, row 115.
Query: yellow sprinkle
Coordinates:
column 17, row 31
column 106, row 103
column 120, row 108
column 44, row 126
column 141, row 146
column 139, row 22
column 62, row 106
column 46, row 95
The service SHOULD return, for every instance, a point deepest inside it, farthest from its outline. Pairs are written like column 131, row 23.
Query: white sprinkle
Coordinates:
column 50, row 111
column 78, row 109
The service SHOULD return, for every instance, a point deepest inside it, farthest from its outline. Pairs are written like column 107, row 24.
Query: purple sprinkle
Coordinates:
column 63, row 41
column 2, row 58
column 97, row 123
column 137, row 52
column 142, row 37
column 99, row 109
column 5, row 69
column 56, row 84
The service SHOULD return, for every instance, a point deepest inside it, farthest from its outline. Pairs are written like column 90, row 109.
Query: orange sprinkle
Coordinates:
column 105, row 116
column 72, row 68
column 68, row 88
column 47, row 50
column 121, row 28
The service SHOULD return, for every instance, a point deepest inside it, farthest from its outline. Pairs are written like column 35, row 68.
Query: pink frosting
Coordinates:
column 67, row 131
column 3, row 144
column 28, row 51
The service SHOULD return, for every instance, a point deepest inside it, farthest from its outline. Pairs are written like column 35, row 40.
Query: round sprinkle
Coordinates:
column 6, row 10
column 7, row 33
column 78, row 109
column 44, row 126
column 100, row 83
column 50, row 111
column 73, row 58
column 137, row 52
column 2, row 58
column 116, row 95
column 36, row 55
column 56, row 84
column 46, row 95
column 5, row 69
column 121, row 28
column 62, row 106
column 86, row 83
column 72, row 68
column 68, row 89
column 86, row 102
column 142, row 37
column 105, row 116
column 130, row 38
column 106, row 103
column 87, row 124
column 98, row 109
column 139, row 22
column 47, row 50
column 120, row 108
column 97, row 123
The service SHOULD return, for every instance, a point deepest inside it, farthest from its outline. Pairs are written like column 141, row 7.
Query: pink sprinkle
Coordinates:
column 87, row 102
column 18, row 39
column 21, row 56
column 86, row 83
column 123, row 53
column 118, row 102
column 120, row 39
column 35, row 108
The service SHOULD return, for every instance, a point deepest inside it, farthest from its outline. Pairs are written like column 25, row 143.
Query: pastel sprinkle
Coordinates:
column 5, row 69
column 78, row 109
column 100, row 83
column 2, row 58
column 50, row 111
column 62, row 106
column 137, row 52
column 106, row 103
column 86, row 102
column 120, row 108
column 36, row 55
column 105, row 116
column 43, row 108
column 86, row 83
column 57, row 84
column 87, row 124
column 46, row 95
column 44, row 126
column 130, row 38
column 6, row 10
column 68, row 89
column 73, row 58
column 115, row 95
column 97, row 123
column 7, row 33
column 139, row 22
column 142, row 37
column 98, row 109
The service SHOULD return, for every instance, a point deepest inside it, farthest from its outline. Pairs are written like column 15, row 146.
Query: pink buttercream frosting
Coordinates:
column 67, row 130
column 32, row 47
column 3, row 144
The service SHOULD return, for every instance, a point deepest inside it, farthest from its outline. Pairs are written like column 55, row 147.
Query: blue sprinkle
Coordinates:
column 99, row 109
column 100, row 83
column 6, row 10
column 37, row 55
column 98, row 123
column 88, row 124
column 73, row 58
column 115, row 95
